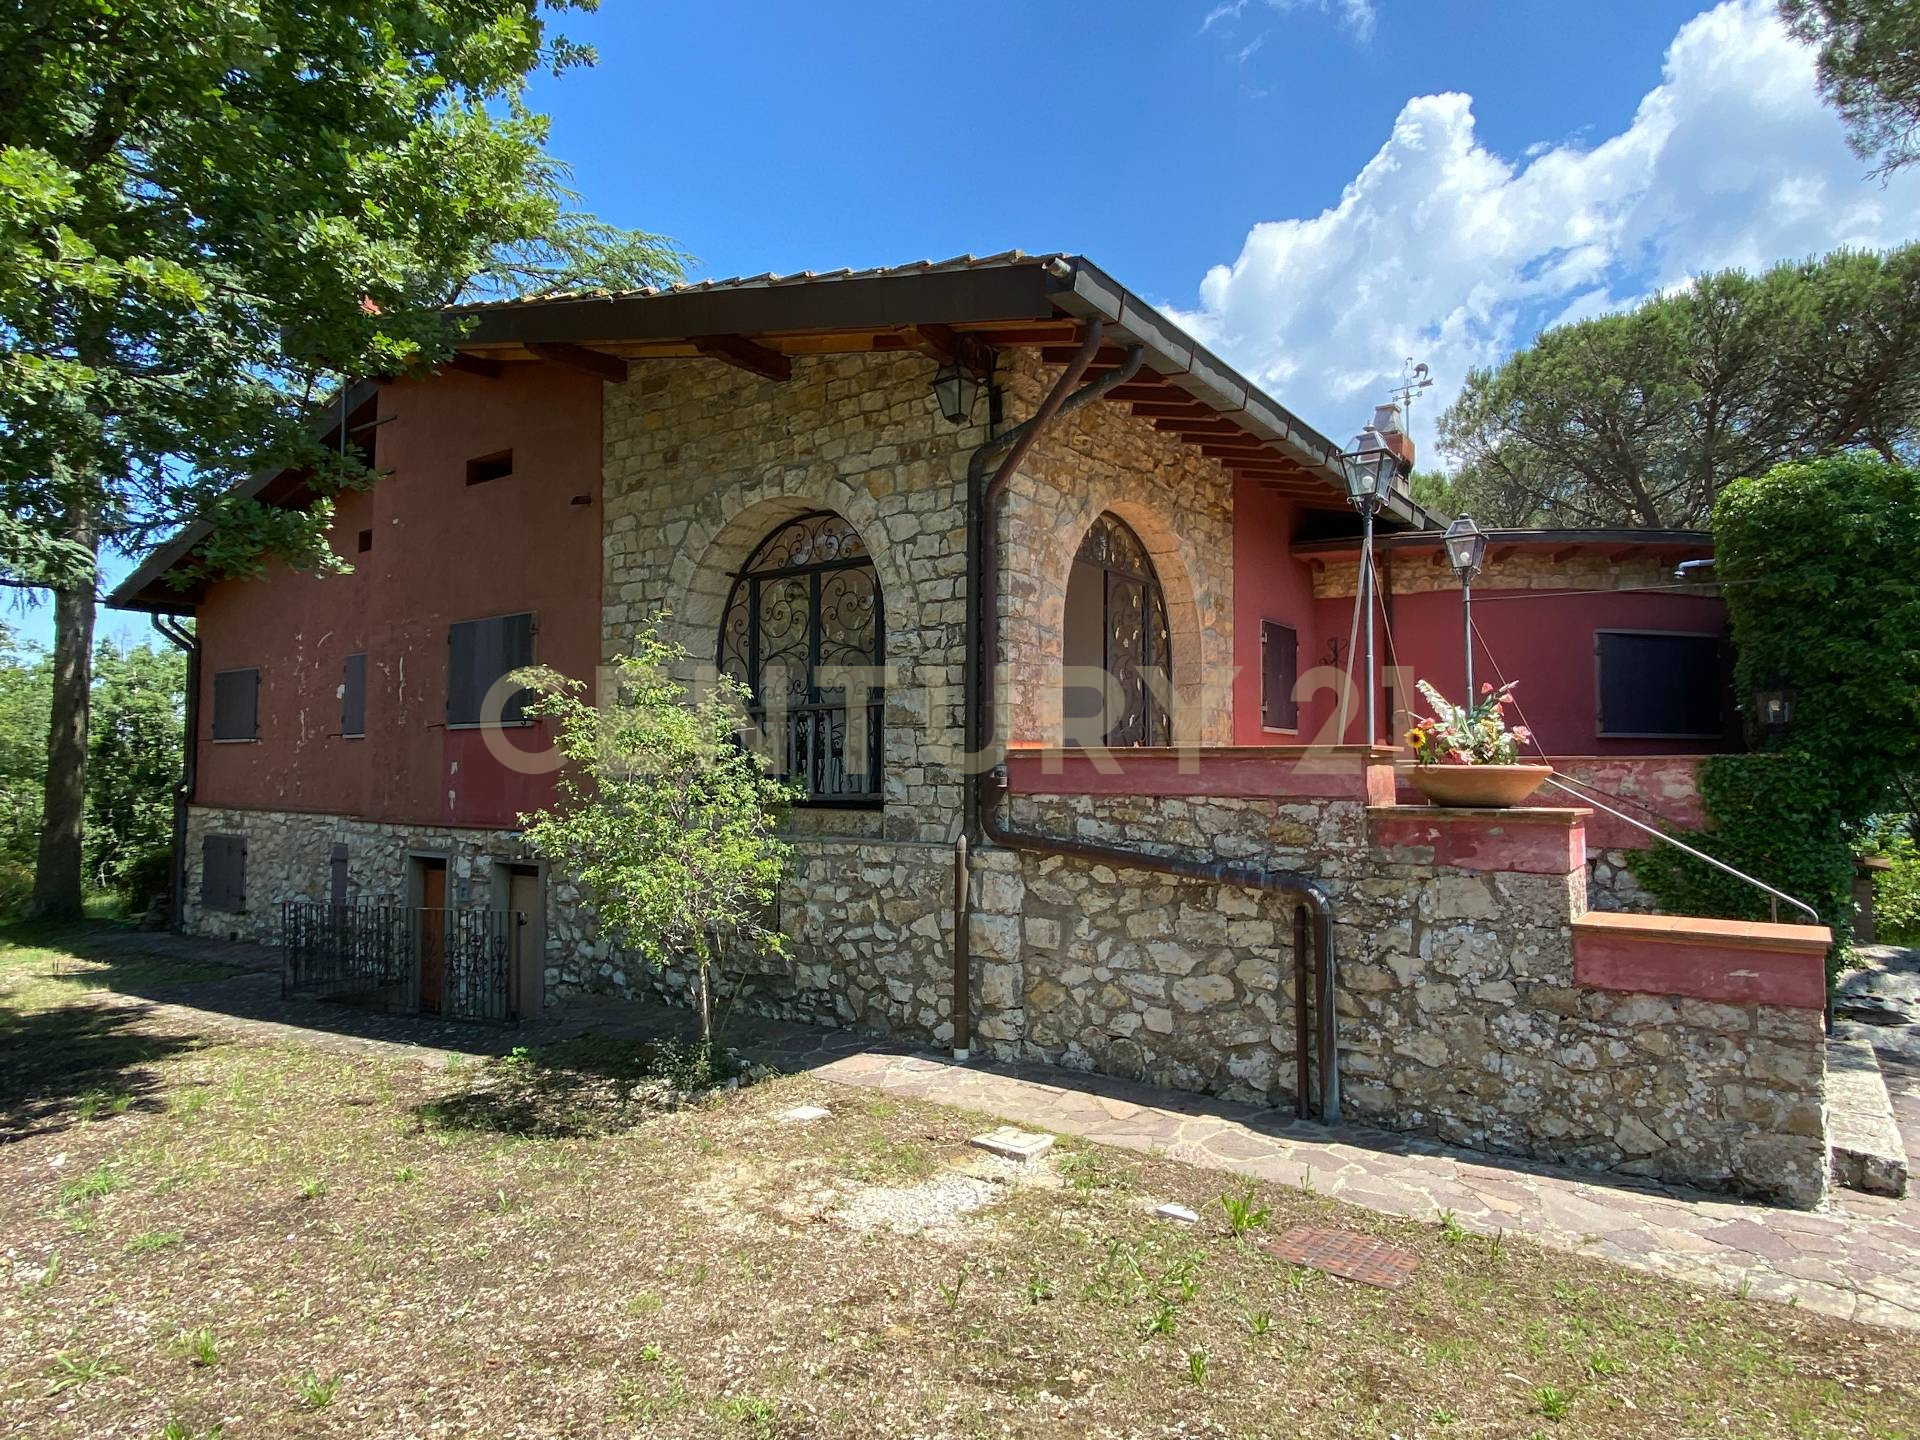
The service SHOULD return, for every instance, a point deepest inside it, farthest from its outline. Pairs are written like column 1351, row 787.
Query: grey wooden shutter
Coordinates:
column 516, row 651
column 353, row 696
column 1279, row 673
column 236, row 705
column 223, row 872
column 479, row 652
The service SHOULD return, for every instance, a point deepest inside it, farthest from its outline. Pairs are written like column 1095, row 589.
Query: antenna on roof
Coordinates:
column 1413, row 379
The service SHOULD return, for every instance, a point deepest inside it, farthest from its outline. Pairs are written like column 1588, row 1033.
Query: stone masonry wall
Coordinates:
column 1177, row 501
column 867, row 950
column 1459, row 1015
column 289, row 857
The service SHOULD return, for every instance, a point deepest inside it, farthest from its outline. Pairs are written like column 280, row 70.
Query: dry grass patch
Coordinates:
column 285, row 1241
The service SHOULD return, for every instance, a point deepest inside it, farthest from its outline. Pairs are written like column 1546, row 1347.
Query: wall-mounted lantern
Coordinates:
column 957, row 389
column 1773, row 710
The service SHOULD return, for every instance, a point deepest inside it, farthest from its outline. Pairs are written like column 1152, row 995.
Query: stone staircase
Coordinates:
column 1863, row 1142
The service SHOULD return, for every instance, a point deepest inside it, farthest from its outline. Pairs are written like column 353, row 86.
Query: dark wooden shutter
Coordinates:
column 223, row 872
column 1659, row 686
column 479, row 652
column 353, row 696
column 1279, row 673
column 236, row 705
column 337, row 889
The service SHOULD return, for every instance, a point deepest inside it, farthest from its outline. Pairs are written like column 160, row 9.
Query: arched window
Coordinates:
column 806, row 603
column 1116, row 620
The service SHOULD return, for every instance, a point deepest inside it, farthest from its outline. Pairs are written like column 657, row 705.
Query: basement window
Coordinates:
column 497, row 466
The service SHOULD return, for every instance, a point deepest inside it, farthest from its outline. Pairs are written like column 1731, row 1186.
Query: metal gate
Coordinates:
column 455, row 963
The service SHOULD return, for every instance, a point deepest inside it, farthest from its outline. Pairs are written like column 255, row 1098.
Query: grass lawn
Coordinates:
column 202, row 1235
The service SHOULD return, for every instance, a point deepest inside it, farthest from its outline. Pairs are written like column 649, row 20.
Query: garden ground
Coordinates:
column 217, row 1223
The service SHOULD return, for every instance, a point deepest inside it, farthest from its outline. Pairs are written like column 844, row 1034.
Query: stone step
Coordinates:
column 1864, row 1148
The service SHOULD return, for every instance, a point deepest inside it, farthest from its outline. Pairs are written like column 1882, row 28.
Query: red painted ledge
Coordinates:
column 1280, row 772
column 1735, row 962
column 1530, row 840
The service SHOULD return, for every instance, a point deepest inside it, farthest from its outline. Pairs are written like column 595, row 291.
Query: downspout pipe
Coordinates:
column 185, row 640
column 984, row 794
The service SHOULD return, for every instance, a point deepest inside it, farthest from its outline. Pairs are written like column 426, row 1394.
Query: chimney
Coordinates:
column 1386, row 420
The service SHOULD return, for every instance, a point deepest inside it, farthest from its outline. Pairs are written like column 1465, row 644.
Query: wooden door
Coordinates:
column 523, row 896
column 433, row 934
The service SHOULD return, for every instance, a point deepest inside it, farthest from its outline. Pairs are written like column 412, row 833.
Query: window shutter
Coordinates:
column 479, row 652
column 463, row 699
column 1279, row 673
column 516, row 651
column 1658, row 686
column 223, row 872
column 353, row 696
column 236, row 705
column 338, row 879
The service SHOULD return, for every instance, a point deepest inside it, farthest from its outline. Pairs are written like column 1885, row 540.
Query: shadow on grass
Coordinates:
column 589, row 1085
column 76, row 1062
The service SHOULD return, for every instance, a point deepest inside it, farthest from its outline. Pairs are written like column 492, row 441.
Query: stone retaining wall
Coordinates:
column 1459, row 1013
column 1460, row 1016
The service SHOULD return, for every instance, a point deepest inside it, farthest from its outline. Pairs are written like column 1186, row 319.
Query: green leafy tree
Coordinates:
column 1820, row 567
column 138, row 713
column 1869, row 66
column 1640, row 419
column 26, row 699
column 210, row 214
column 665, row 819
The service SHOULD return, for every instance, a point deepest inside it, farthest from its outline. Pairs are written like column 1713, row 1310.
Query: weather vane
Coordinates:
column 1413, row 379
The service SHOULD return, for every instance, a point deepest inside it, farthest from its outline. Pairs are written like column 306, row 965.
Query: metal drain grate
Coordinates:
column 1346, row 1254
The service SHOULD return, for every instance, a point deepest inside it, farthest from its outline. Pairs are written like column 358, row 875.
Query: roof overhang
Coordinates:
column 148, row 587
column 961, row 308
column 1615, row 544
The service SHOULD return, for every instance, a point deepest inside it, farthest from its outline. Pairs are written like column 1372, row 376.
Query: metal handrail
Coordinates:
column 1774, row 897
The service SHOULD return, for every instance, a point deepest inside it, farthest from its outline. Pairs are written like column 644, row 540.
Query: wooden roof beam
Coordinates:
column 744, row 354
column 610, row 368
column 478, row 365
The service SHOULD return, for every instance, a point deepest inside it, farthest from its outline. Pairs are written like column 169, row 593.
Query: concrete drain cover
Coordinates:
column 1343, row 1253
column 1012, row 1144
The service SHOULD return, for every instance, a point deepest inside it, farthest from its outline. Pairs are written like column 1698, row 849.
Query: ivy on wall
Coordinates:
column 1819, row 565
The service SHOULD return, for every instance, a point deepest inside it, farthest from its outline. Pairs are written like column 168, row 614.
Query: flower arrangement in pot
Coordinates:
column 1468, row 756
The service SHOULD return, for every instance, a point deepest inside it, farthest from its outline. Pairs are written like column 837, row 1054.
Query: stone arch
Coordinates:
column 1037, row 703
column 726, row 528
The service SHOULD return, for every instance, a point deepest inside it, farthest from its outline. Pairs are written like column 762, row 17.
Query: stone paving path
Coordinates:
column 1859, row 1258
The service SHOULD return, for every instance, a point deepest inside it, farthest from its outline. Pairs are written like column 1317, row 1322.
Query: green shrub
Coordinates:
column 1896, row 895
column 16, row 885
column 147, row 876
column 1771, row 815
column 1819, row 565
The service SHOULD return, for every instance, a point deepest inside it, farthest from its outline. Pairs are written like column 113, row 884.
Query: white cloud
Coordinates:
column 1444, row 251
column 1356, row 15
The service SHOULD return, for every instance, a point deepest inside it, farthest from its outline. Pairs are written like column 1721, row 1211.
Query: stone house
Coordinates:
column 1151, row 839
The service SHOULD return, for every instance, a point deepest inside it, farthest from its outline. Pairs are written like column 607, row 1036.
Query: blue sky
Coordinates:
column 1318, row 188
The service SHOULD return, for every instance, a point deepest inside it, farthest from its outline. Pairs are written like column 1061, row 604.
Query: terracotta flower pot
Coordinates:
column 1479, row 787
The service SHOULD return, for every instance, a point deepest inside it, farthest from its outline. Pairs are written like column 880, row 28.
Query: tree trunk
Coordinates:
column 56, row 879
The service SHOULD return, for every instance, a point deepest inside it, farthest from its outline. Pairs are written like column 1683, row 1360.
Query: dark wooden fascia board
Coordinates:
column 1011, row 293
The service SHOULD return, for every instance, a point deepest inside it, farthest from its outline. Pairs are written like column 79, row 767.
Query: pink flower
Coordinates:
column 1486, row 687
column 1520, row 732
